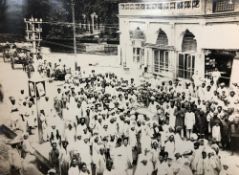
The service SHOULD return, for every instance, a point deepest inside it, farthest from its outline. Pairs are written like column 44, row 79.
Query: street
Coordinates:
column 15, row 80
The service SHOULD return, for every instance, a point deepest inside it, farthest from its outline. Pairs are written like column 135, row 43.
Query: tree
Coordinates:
column 37, row 8
column 3, row 9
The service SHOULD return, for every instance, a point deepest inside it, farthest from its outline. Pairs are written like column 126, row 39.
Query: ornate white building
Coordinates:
column 177, row 38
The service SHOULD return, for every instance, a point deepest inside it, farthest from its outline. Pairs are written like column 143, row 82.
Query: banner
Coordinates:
column 37, row 87
column 40, row 86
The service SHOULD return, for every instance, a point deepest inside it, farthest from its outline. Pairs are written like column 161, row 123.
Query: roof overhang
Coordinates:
column 158, row 46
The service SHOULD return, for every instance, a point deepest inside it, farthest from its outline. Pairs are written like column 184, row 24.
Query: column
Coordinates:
column 200, row 63
column 146, row 55
column 150, row 63
column 93, row 15
column 84, row 21
column 234, row 74
column 126, row 39
column 173, row 55
column 89, row 25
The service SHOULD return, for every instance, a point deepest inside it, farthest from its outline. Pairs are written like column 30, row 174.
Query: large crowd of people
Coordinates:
column 102, row 124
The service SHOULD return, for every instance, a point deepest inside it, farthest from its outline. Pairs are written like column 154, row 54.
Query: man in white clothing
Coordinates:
column 189, row 121
column 74, row 169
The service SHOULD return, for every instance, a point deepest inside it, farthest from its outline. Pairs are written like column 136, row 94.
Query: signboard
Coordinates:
column 37, row 89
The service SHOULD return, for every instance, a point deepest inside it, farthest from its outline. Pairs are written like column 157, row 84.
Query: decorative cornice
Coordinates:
column 200, row 16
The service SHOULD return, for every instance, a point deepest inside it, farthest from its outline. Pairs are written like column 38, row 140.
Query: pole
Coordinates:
column 39, row 125
column 74, row 26
column 33, row 39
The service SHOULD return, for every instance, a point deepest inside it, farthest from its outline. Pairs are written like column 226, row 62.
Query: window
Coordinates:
column 161, row 60
column 162, row 38
column 138, row 54
column 189, row 42
column 186, row 65
column 223, row 5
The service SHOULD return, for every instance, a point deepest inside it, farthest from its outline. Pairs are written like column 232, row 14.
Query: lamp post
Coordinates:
column 37, row 90
column 33, row 33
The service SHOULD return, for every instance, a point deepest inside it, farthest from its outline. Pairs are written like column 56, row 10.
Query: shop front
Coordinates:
column 221, row 52
column 219, row 60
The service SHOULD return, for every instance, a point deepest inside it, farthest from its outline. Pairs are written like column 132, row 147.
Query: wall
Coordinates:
column 211, row 33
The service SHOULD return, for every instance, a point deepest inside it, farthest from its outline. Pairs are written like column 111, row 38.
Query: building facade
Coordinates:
column 175, row 39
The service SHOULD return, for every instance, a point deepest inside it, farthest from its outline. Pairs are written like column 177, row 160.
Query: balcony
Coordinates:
column 183, row 7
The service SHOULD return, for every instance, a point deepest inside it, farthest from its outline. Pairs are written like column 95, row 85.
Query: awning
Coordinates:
column 158, row 46
column 222, row 37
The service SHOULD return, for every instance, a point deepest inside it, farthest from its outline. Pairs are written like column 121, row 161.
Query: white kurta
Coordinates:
column 122, row 156
column 216, row 133
column 162, row 168
column 189, row 120
column 74, row 171
column 144, row 169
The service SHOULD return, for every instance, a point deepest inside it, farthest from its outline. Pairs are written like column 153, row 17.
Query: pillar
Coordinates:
column 234, row 73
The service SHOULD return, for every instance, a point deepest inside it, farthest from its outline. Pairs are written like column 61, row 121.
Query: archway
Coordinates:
column 189, row 42
column 162, row 38
column 161, row 53
column 186, row 62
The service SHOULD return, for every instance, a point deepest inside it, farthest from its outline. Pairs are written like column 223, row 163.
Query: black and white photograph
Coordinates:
column 119, row 87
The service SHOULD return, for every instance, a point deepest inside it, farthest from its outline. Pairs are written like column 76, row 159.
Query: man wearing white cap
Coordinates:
column 54, row 134
column 152, row 106
column 185, row 169
column 172, row 118
column 161, row 165
column 132, row 137
column 30, row 118
column 74, row 169
column 170, row 146
column 81, row 127
column 70, row 134
column 145, row 138
column 84, row 150
column 145, row 164
column 14, row 113
column 122, row 157
column 64, row 158
column 100, row 162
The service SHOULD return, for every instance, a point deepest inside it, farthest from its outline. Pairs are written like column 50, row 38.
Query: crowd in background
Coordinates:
column 102, row 124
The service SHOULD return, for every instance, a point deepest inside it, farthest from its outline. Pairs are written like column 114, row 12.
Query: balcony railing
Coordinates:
column 172, row 5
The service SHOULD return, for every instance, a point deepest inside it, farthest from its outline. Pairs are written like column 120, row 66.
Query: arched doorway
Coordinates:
column 186, row 61
column 161, row 54
column 138, row 39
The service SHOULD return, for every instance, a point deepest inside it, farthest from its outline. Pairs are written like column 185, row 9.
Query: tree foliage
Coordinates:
column 61, row 10
column 3, row 8
column 37, row 8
